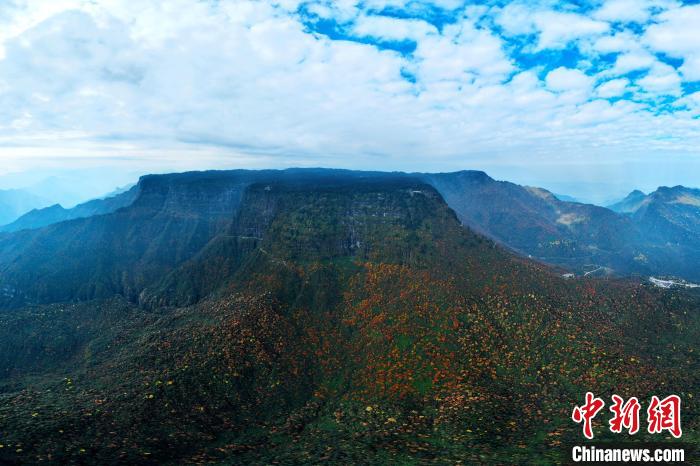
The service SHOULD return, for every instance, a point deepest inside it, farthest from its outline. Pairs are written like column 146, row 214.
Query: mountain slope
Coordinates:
column 121, row 252
column 670, row 219
column 655, row 234
column 671, row 215
column 534, row 222
column 344, row 319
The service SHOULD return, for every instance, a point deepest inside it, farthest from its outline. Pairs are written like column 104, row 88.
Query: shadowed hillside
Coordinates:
column 641, row 235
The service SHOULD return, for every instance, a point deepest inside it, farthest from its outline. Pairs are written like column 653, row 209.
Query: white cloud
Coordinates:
column 462, row 52
column 676, row 34
column 692, row 102
column 559, row 29
column 565, row 79
column 633, row 61
column 691, row 68
column 662, row 79
column 515, row 19
column 619, row 42
column 391, row 29
column 555, row 29
column 248, row 82
column 612, row 88
column 636, row 11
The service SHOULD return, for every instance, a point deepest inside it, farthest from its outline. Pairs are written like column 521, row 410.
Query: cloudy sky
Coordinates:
column 598, row 96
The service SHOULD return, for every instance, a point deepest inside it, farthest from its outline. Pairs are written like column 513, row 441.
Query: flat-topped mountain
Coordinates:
column 130, row 243
column 301, row 316
column 175, row 219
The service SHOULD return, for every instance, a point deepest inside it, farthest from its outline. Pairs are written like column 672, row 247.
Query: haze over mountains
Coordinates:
column 15, row 202
column 301, row 316
column 23, row 192
column 38, row 218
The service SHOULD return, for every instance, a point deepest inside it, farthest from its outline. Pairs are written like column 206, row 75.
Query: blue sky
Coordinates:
column 587, row 98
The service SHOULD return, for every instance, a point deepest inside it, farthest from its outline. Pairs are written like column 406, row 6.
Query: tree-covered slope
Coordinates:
column 349, row 321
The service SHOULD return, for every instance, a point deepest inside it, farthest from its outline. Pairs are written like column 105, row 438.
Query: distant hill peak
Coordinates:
column 631, row 203
column 475, row 175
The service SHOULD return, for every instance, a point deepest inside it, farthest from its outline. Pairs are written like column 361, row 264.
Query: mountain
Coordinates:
column 310, row 316
column 671, row 215
column 670, row 219
column 196, row 217
column 535, row 223
column 629, row 204
column 171, row 220
column 582, row 238
column 15, row 202
column 38, row 218
column 655, row 234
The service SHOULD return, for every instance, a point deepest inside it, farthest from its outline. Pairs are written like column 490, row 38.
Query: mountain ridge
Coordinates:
column 56, row 213
column 172, row 218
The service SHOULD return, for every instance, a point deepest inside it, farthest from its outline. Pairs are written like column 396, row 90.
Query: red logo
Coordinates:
column 625, row 415
column 661, row 415
column 587, row 412
column 665, row 415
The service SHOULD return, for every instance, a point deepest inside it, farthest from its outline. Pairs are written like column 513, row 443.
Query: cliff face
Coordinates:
column 160, row 242
column 206, row 194
column 121, row 252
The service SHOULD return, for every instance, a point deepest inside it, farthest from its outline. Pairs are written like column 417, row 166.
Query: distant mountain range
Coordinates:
column 643, row 234
column 15, row 202
column 38, row 218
